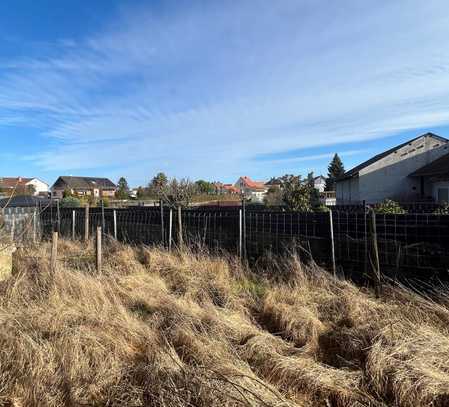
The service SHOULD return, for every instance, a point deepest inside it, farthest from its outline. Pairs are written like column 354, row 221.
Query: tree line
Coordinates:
column 291, row 191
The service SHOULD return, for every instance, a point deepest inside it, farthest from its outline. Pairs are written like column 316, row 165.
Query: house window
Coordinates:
column 443, row 194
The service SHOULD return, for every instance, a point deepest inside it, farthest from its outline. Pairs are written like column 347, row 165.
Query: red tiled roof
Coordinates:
column 231, row 188
column 253, row 184
column 10, row 182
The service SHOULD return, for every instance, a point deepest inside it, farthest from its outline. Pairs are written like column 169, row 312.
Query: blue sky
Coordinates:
column 215, row 89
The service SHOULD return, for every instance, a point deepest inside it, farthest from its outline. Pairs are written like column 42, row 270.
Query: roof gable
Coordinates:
column 249, row 183
column 355, row 171
column 12, row 182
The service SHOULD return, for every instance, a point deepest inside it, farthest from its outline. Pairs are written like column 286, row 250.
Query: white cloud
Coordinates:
column 201, row 91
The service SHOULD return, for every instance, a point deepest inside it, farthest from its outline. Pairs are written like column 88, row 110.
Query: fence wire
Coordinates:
column 418, row 242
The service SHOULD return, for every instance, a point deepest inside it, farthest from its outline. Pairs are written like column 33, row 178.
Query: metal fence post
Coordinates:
column 170, row 229
column 73, row 224
column 374, row 253
column 86, row 223
column 13, row 226
column 98, row 249
column 243, row 228
column 115, row 224
column 331, row 225
column 103, row 223
column 54, row 252
column 180, row 239
column 34, row 225
column 161, row 203
column 240, row 234
column 58, row 214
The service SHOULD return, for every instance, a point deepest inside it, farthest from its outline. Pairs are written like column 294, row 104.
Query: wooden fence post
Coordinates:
column 98, row 250
column 331, row 224
column 374, row 253
column 180, row 239
column 73, row 224
column 86, row 224
column 170, row 229
column 115, row 224
column 54, row 251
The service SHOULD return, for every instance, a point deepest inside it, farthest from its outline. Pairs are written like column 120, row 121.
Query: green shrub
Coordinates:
column 321, row 208
column 442, row 210
column 70, row 202
column 106, row 202
column 389, row 206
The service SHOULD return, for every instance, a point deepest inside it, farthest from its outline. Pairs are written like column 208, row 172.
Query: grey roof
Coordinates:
column 438, row 167
column 355, row 171
column 319, row 176
column 84, row 183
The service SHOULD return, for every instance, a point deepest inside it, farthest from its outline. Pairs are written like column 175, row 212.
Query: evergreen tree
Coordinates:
column 204, row 187
column 336, row 170
column 122, row 189
column 158, row 184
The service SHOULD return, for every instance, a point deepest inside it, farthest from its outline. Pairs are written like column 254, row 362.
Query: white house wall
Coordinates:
column 39, row 186
column 388, row 177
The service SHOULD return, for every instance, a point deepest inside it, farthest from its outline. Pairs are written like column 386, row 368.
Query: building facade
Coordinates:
column 84, row 186
column 254, row 191
column 23, row 186
column 390, row 174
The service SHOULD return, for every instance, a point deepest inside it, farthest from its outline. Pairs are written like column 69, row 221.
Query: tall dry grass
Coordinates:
column 160, row 329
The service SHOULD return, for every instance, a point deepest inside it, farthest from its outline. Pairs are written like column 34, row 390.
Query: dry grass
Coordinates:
column 159, row 329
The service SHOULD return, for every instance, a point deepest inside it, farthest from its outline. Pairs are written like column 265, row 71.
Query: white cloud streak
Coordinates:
column 201, row 90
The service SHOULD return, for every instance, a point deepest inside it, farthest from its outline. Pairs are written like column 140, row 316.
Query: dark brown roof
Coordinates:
column 355, row 171
column 438, row 167
column 84, row 183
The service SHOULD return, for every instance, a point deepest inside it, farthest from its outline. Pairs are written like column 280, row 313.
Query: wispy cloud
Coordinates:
column 313, row 157
column 201, row 90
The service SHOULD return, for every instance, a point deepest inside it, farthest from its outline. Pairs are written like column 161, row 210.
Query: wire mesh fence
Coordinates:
column 19, row 224
column 418, row 242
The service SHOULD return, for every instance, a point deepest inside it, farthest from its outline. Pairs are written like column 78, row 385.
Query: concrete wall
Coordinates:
column 436, row 186
column 388, row 177
column 347, row 191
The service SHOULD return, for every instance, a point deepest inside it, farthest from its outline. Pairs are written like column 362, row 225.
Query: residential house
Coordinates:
column 252, row 190
column 23, row 186
column 319, row 183
column 225, row 188
column 409, row 172
column 84, row 186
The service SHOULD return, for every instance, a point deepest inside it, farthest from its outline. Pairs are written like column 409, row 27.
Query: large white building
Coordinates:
column 401, row 173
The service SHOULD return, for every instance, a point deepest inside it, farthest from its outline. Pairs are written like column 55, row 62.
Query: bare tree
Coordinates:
column 178, row 192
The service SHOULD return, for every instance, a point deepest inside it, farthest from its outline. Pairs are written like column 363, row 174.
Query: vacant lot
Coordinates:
column 156, row 329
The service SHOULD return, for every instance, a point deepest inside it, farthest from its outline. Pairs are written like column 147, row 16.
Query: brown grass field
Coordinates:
column 185, row 329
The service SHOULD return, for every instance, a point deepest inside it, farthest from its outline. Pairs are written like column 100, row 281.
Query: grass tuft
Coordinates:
column 188, row 329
